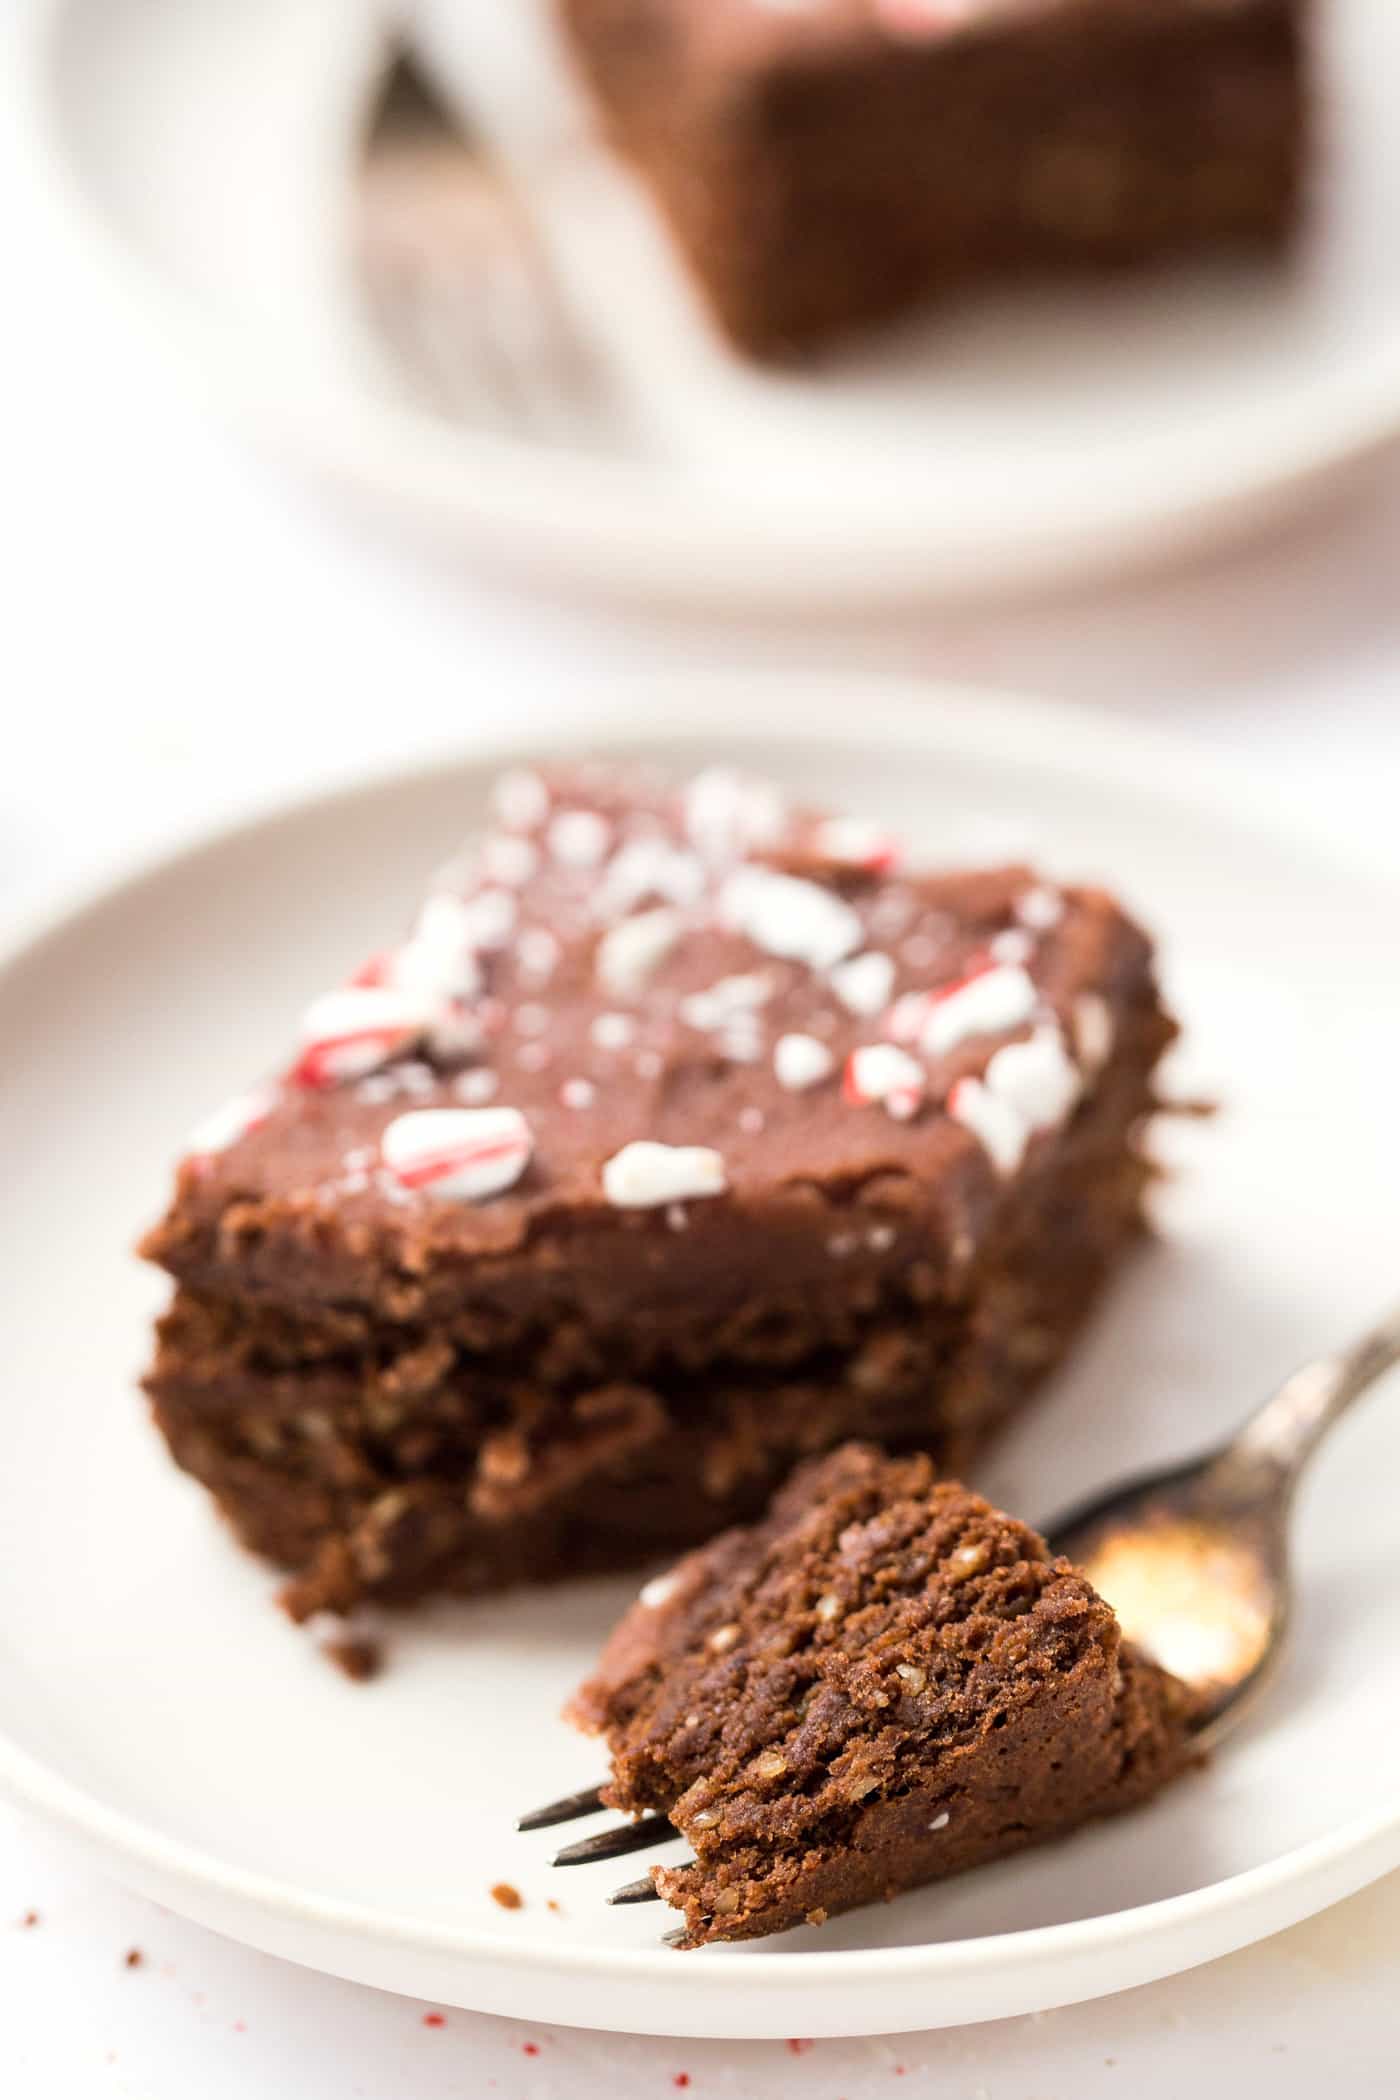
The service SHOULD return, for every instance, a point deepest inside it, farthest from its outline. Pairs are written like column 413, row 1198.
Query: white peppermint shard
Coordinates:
column 1036, row 1078
column 631, row 951
column 801, row 1061
column 863, row 985
column 788, row 917
column 644, row 1175
column 987, row 1004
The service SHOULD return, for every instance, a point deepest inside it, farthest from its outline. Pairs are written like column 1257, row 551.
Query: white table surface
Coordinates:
column 183, row 628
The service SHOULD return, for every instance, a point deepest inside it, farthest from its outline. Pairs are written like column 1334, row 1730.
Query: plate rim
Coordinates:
column 637, row 529
column 760, row 708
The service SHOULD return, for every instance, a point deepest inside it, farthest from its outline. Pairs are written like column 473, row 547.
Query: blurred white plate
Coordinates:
column 1020, row 442
column 154, row 1702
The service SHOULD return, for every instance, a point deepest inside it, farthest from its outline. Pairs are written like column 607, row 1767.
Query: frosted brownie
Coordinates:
column 884, row 1682
column 687, row 1134
column 825, row 164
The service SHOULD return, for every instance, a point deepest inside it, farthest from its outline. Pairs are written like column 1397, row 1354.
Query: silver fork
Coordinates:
column 456, row 276
column 1193, row 1558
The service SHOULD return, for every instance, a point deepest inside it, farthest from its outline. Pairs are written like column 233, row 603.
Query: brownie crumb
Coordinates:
column 134, row 1957
column 359, row 1660
column 30, row 1918
column 507, row 1896
column 555, row 1907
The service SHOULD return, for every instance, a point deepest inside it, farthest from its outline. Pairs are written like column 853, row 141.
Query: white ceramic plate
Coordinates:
column 152, row 1699
column 1014, row 442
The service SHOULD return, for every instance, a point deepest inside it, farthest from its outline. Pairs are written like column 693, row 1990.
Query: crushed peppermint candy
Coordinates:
column 907, row 1018
column 801, row 1061
column 884, row 1073
column 787, row 916
column 645, row 1175
column 630, row 951
column 489, row 918
column 531, row 1019
column 1037, row 1077
column 537, row 953
column 863, row 985
column 727, row 816
column 612, row 1031
column 477, row 1087
column 438, row 961
column 349, row 1033
column 520, row 800
column 1040, row 908
column 727, row 1003
column 234, row 1120
column 986, row 1003
column 1001, row 1132
column 534, row 1056
column 1093, row 1030
column 644, row 868
column 852, row 842
column 579, row 838
column 752, row 1120
column 510, row 859
column 1027, row 1087
column 578, row 1093
column 1012, row 945
column 461, row 1154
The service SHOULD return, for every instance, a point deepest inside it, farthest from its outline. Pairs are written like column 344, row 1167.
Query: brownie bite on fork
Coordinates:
column 687, row 1133
column 884, row 1682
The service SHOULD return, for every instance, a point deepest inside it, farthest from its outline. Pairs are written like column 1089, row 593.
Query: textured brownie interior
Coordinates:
column 884, row 1682
column 832, row 165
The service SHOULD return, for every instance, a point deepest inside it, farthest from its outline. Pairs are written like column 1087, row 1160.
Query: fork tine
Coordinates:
column 677, row 1938
column 612, row 1844
column 586, row 1802
column 640, row 1891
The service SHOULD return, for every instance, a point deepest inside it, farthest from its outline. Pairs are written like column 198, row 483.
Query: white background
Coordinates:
column 184, row 629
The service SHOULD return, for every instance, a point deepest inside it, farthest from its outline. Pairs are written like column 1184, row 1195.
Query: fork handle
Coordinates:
column 1289, row 1427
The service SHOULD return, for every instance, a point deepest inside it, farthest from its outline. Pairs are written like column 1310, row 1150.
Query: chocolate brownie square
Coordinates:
column 826, row 164
column 686, row 1134
column 883, row 1683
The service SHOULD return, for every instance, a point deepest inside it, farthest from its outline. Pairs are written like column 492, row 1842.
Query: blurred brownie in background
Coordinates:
column 827, row 164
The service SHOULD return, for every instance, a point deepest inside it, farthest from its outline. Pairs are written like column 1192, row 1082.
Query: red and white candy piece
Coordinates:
column 801, row 1061
column 458, row 1154
column 234, row 1120
column 852, row 842
column 644, row 1175
column 880, row 1072
column 986, row 1003
column 348, row 1033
